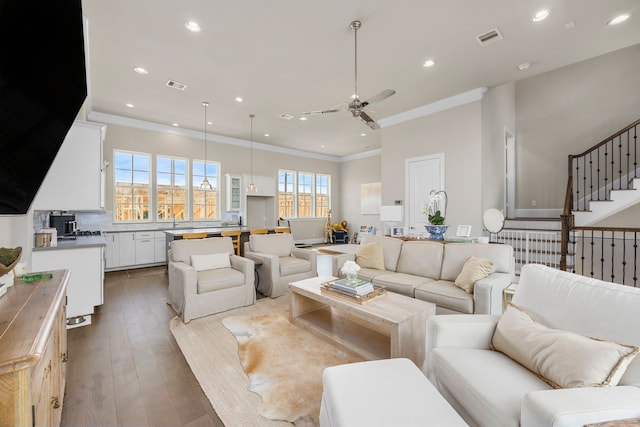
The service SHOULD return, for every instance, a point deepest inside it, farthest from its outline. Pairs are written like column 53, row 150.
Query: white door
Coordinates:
column 423, row 174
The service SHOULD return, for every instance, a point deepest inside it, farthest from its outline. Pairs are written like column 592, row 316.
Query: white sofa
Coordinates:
column 487, row 388
column 427, row 270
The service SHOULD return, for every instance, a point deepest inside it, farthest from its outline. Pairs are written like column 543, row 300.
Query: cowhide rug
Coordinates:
column 284, row 364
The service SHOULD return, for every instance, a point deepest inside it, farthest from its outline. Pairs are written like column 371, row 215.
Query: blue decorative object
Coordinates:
column 436, row 232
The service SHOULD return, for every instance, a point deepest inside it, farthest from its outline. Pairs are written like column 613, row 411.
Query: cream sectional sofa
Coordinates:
column 427, row 270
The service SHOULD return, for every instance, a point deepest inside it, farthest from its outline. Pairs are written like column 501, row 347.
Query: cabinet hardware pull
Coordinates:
column 64, row 357
column 55, row 402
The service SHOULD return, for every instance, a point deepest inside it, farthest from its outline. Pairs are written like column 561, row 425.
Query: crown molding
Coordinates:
column 435, row 107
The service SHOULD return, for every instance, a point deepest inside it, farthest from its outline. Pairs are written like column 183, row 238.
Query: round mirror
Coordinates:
column 493, row 220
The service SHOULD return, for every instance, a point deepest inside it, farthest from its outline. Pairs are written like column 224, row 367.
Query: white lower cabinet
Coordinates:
column 131, row 249
column 85, row 289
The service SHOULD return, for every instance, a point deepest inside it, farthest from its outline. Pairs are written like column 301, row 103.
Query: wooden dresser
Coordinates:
column 33, row 352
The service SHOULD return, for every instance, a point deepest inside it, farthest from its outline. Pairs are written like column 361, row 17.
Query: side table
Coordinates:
column 507, row 295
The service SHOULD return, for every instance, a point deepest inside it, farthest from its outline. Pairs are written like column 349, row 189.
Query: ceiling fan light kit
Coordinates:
column 355, row 106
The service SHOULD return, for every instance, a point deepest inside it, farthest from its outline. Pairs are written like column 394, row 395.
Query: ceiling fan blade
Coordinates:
column 369, row 121
column 379, row 97
column 315, row 113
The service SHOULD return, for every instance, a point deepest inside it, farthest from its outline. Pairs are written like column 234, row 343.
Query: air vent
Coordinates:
column 489, row 37
column 176, row 85
column 286, row 116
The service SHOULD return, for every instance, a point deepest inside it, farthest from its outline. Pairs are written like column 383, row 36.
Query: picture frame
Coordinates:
column 463, row 231
column 397, row 231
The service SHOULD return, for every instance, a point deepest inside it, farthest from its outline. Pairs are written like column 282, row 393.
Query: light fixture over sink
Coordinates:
column 205, row 182
column 251, row 188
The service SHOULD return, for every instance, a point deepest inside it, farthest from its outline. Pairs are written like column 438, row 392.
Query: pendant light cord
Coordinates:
column 251, row 116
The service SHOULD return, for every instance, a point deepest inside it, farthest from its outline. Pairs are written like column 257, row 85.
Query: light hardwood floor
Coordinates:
column 125, row 369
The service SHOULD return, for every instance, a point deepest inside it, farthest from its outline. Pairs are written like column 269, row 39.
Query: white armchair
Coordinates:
column 279, row 262
column 206, row 277
column 488, row 388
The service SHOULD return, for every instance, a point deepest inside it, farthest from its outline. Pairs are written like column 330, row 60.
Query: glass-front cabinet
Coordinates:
column 234, row 192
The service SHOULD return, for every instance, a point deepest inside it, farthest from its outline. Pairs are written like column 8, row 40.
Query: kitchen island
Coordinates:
column 176, row 234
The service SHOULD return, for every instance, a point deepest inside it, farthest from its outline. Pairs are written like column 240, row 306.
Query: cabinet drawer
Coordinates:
column 140, row 235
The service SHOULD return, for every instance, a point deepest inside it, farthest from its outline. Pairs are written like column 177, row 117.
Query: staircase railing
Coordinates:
column 606, row 253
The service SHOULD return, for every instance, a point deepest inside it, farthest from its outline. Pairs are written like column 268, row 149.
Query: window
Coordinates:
column 322, row 195
column 205, row 204
column 132, row 186
column 303, row 194
column 171, row 189
column 285, row 194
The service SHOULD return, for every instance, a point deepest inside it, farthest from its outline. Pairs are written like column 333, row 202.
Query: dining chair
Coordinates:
column 283, row 230
column 235, row 238
column 259, row 231
column 198, row 235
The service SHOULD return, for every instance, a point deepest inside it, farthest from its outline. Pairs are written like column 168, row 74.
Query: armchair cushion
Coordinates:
column 210, row 261
column 564, row 359
column 292, row 265
column 220, row 278
column 370, row 255
column 474, row 269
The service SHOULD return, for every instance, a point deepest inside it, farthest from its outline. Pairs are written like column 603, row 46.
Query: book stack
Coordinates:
column 352, row 287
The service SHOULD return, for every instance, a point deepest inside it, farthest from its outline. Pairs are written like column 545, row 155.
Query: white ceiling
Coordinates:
column 290, row 56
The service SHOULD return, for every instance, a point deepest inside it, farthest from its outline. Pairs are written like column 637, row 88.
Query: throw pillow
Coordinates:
column 473, row 270
column 562, row 358
column 210, row 261
column 370, row 255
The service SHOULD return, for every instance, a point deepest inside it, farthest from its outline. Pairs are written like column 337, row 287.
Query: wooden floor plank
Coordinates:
column 125, row 369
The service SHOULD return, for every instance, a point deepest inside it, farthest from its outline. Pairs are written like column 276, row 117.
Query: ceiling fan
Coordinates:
column 356, row 106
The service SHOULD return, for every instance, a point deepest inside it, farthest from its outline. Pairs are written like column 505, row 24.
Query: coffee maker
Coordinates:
column 65, row 225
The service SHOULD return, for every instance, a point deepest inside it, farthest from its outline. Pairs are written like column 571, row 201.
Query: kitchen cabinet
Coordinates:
column 75, row 180
column 111, row 251
column 145, row 244
column 234, row 192
column 85, row 288
column 126, row 249
column 33, row 352
column 160, row 247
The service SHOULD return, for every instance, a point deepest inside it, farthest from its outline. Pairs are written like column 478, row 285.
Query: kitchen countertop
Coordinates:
column 80, row 242
column 180, row 232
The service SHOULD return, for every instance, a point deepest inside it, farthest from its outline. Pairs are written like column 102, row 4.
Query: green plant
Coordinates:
column 436, row 218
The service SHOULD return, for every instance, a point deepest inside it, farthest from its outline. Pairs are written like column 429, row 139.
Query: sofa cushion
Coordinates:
column 291, row 265
column 484, row 386
column 273, row 244
column 370, row 273
column 446, row 294
column 400, row 283
column 584, row 306
column 390, row 247
column 370, row 255
column 222, row 278
column 210, row 261
column 421, row 258
column 456, row 254
column 473, row 270
column 181, row 250
column 564, row 359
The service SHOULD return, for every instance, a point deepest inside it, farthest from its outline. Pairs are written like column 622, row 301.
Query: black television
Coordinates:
column 42, row 88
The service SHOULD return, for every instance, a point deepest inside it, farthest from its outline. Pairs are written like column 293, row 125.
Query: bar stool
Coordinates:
column 258, row 231
column 198, row 235
column 235, row 238
column 283, row 230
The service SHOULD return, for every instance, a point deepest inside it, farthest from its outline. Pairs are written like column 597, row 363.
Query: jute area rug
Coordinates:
column 284, row 364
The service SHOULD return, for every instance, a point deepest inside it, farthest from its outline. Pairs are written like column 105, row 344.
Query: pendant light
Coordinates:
column 252, row 187
column 205, row 182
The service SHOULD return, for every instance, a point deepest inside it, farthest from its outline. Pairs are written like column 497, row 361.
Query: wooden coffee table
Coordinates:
column 388, row 327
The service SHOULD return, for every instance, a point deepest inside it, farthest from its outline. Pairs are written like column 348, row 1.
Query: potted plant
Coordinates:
column 435, row 209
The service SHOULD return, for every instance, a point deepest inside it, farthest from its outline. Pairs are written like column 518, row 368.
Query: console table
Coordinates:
column 33, row 351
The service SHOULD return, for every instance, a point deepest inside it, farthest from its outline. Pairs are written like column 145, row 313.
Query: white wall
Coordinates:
column 458, row 134
column 567, row 111
column 354, row 173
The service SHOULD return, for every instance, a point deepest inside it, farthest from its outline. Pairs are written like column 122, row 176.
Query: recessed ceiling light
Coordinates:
column 541, row 15
column 141, row 70
column 619, row 19
column 192, row 26
column 175, row 125
column 524, row 66
column 322, row 146
column 238, row 99
column 130, row 105
column 429, row 63
column 304, row 119
column 209, row 122
column 363, row 134
column 267, row 135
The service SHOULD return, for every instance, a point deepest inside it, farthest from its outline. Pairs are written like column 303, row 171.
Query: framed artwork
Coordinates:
column 463, row 231
column 397, row 231
column 370, row 198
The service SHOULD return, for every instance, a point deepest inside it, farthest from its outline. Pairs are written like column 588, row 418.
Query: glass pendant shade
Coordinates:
column 206, row 185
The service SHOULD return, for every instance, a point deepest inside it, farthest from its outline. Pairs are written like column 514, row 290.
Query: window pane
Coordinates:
column 163, row 179
column 123, row 176
column 140, row 177
column 122, row 160
column 141, row 162
column 163, row 164
column 131, row 186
